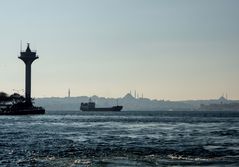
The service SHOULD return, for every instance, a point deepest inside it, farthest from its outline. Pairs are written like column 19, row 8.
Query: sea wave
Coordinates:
column 139, row 139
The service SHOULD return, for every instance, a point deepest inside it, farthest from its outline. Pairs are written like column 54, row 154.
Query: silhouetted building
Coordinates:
column 28, row 57
column 23, row 106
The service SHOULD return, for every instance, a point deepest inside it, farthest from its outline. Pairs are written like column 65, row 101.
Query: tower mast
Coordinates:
column 28, row 57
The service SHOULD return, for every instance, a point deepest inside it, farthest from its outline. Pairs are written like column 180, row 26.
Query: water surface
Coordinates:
column 107, row 139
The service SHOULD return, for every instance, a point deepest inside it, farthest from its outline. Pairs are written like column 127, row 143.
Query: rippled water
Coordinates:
column 120, row 139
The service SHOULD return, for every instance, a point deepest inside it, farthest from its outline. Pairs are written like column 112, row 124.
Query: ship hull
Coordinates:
column 114, row 108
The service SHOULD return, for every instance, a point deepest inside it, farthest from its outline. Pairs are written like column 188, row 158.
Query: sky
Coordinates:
column 165, row 49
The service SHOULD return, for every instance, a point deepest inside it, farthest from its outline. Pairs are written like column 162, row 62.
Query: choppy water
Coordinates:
column 129, row 139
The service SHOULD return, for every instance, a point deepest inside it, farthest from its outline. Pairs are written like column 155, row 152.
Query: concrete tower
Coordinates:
column 28, row 57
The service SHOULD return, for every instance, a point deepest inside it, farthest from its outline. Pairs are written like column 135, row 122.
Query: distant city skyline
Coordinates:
column 173, row 50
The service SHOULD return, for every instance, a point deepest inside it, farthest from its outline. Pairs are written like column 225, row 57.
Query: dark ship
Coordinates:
column 90, row 106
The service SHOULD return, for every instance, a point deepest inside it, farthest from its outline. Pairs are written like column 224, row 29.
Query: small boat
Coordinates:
column 90, row 106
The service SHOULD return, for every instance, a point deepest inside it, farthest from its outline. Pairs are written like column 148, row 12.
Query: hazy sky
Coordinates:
column 166, row 49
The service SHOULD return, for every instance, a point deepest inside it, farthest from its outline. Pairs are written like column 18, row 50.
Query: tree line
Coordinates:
column 11, row 99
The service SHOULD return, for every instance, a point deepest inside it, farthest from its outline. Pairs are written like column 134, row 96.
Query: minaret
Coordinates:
column 28, row 57
column 69, row 92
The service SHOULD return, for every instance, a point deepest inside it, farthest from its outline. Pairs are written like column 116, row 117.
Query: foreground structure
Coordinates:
column 28, row 57
column 24, row 106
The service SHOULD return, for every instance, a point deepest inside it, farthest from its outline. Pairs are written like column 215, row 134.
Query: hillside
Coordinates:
column 129, row 103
